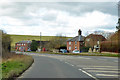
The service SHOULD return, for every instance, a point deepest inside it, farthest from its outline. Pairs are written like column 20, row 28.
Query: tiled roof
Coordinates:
column 77, row 38
column 96, row 36
column 24, row 42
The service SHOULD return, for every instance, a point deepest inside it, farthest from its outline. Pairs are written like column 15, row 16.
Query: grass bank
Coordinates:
column 15, row 66
column 85, row 54
column 17, row 38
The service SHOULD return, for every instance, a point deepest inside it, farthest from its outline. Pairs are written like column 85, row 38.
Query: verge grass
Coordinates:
column 85, row 54
column 15, row 66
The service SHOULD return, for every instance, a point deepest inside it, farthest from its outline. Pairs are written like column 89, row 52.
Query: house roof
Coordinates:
column 77, row 38
column 96, row 37
column 24, row 41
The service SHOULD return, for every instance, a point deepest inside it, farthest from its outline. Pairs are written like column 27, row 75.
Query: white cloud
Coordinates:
column 6, row 20
column 88, row 22
column 52, row 21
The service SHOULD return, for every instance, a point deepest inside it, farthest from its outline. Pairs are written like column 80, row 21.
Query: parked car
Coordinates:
column 63, row 50
column 76, row 51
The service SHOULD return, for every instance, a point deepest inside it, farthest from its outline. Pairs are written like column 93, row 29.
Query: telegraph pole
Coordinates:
column 40, row 40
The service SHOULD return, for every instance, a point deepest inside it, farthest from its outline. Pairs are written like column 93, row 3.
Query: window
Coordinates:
column 69, row 48
column 75, row 42
column 88, row 39
column 98, row 42
column 69, row 43
column 75, row 47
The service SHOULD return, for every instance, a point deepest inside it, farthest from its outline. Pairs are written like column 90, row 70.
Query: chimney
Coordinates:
column 79, row 32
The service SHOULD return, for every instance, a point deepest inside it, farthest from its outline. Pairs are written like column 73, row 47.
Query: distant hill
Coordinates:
column 17, row 38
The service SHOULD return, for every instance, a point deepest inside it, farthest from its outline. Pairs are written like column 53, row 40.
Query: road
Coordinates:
column 65, row 66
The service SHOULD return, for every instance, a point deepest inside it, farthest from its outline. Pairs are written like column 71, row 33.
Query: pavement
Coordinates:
column 67, row 66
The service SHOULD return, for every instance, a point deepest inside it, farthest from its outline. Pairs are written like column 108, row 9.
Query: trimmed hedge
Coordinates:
column 109, row 46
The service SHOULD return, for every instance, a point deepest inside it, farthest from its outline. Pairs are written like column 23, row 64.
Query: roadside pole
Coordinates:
column 40, row 41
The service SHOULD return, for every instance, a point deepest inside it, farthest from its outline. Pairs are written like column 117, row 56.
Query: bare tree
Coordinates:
column 56, row 42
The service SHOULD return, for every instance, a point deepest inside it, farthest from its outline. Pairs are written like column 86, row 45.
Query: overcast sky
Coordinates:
column 51, row 18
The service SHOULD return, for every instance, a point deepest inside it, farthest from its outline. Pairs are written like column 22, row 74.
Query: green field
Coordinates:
column 17, row 38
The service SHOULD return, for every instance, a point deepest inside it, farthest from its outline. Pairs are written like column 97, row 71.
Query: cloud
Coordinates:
column 57, row 18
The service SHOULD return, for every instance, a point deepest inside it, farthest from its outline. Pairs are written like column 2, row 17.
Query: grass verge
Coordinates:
column 15, row 66
column 85, row 54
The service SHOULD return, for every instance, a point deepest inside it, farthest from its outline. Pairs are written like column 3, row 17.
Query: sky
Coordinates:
column 58, row 17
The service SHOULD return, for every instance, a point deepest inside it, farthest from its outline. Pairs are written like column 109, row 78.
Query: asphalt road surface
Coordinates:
column 65, row 66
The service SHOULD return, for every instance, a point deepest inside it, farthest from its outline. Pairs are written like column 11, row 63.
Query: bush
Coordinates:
column 85, row 49
column 6, row 42
column 109, row 46
column 34, row 45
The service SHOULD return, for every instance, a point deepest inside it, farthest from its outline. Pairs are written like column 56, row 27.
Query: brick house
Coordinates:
column 23, row 45
column 93, row 40
column 76, row 42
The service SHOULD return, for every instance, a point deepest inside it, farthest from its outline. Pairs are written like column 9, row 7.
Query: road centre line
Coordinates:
column 88, row 74
column 69, row 63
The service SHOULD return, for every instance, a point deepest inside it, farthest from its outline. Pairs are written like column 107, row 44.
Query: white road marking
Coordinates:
column 103, row 71
column 101, row 68
column 102, row 59
column 94, row 66
column 69, row 63
column 88, row 74
column 72, row 65
column 66, row 62
column 84, row 58
column 106, row 75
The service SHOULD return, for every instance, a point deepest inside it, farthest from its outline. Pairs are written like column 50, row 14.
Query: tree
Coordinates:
column 6, row 42
column 56, row 42
column 34, row 45
column 118, row 27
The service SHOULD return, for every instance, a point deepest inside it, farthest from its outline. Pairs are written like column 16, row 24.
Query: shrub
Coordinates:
column 109, row 46
column 34, row 45
column 85, row 49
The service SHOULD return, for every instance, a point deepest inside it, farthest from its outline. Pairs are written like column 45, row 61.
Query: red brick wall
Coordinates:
column 18, row 46
column 73, row 45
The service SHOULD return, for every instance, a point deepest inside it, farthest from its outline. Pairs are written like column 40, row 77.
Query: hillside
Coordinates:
column 17, row 38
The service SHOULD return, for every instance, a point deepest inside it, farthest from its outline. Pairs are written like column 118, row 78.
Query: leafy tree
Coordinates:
column 34, row 45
